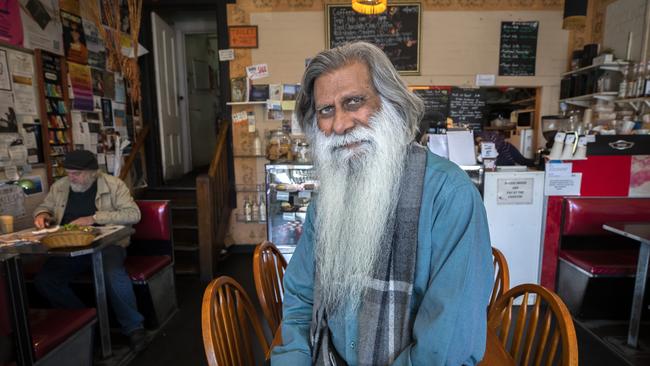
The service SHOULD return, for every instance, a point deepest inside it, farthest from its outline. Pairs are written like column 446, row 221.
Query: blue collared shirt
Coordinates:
column 451, row 289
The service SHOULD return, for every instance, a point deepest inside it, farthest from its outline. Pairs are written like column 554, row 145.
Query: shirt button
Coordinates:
column 353, row 344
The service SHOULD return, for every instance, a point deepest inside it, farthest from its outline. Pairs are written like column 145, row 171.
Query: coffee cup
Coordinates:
column 7, row 224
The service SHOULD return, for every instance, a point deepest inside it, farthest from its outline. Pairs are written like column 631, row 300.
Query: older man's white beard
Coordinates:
column 359, row 193
column 83, row 187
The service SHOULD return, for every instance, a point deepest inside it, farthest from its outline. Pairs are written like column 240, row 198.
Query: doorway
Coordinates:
column 202, row 107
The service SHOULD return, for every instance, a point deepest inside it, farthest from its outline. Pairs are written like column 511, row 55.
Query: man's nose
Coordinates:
column 342, row 123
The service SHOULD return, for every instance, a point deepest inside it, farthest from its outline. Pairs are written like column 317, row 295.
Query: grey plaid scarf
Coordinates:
column 384, row 320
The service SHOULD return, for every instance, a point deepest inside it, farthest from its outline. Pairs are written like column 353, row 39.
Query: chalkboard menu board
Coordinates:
column 518, row 48
column 396, row 32
column 467, row 106
column 436, row 103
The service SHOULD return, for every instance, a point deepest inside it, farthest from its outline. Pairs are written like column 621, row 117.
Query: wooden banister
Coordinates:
column 139, row 144
column 213, row 205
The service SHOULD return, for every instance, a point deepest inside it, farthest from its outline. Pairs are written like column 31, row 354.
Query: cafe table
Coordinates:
column 639, row 231
column 107, row 235
column 495, row 354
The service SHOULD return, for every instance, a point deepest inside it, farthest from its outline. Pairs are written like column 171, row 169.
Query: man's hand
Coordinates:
column 84, row 221
column 42, row 220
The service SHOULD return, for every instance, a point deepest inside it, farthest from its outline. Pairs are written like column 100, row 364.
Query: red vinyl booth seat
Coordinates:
column 141, row 268
column 586, row 216
column 50, row 327
column 603, row 262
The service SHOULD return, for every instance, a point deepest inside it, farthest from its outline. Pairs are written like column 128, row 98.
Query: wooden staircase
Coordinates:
column 184, row 225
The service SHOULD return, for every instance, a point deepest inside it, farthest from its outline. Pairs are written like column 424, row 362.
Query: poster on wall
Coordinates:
column 8, row 121
column 70, row 6
column 95, row 45
column 120, row 88
column 21, row 67
column 5, row 79
column 11, row 28
column 74, row 39
column 82, row 88
column 98, row 82
column 41, row 25
column 107, row 112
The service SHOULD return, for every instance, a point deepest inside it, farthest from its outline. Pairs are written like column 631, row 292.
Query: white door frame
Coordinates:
column 182, row 29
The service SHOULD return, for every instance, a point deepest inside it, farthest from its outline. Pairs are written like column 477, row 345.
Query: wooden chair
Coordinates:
column 227, row 315
column 501, row 276
column 538, row 331
column 268, row 271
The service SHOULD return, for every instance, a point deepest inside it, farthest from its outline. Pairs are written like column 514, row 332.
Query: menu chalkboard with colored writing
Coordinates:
column 518, row 48
column 467, row 106
column 396, row 32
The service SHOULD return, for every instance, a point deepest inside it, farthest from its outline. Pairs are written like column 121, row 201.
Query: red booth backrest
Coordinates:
column 155, row 223
column 586, row 216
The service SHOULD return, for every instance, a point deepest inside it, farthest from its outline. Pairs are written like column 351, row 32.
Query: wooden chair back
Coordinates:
column 501, row 276
column 539, row 334
column 227, row 317
column 268, row 271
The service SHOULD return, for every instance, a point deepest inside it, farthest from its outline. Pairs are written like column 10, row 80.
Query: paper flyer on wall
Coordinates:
column 11, row 28
column 120, row 88
column 8, row 120
column 41, row 25
column 109, row 85
column 74, row 39
column 21, row 66
column 95, row 45
column 5, row 78
column 12, row 200
column 81, row 82
column 98, row 81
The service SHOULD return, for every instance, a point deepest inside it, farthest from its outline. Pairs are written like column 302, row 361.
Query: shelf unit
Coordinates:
column 635, row 103
column 613, row 66
column 585, row 100
column 56, row 131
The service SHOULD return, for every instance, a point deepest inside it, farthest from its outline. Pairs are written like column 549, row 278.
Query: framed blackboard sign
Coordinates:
column 436, row 102
column 518, row 48
column 396, row 32
column 467, row 106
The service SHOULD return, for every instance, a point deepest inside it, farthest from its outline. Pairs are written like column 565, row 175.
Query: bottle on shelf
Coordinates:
column 257, row 145
column 622, row 86
column 640, row 80
column 248, row 210
column 646, row 86
column 255, row 211
column 631, row 81
column 262, row 206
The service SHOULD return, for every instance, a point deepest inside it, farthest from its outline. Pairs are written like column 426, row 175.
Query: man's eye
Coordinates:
column 326, row 111
column 354, row 102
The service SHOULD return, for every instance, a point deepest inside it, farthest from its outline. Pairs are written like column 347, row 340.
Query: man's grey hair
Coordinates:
column 384, row 77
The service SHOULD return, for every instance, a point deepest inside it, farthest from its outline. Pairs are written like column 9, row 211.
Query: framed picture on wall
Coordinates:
column 242, row 36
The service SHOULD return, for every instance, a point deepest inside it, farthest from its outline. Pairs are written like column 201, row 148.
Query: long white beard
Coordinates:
column 359, row 193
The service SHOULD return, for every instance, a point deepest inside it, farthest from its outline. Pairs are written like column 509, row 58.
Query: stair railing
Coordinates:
column 213, row 206
column 135, row 152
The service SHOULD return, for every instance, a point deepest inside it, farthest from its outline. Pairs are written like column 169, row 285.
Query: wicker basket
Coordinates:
column 67, row 239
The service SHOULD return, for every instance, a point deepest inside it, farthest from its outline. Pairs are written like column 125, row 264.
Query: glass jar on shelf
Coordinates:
column 279, row 147
column 301, row 150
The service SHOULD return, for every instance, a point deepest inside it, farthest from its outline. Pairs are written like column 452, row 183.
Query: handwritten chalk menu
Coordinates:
column 396, row 32
column 467, row 106
column 436, row 102
column 518, row 48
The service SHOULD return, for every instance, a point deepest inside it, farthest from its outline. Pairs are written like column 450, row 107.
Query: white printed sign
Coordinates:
column 516, row 191
column 227, row 54
column 563, row 185
column 257, row 71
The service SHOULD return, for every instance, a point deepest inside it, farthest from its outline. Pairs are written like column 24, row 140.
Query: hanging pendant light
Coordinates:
column 369, row 7
column 575, row 14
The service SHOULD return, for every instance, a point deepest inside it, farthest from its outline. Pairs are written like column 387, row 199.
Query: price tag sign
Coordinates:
column 282, row 196
column 289, row 216
column 304, row 194
column 488, row 150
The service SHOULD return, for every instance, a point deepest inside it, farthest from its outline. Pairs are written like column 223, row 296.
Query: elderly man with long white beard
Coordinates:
column 394, row 264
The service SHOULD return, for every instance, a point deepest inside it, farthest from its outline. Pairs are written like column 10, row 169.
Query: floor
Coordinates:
column 179, row 342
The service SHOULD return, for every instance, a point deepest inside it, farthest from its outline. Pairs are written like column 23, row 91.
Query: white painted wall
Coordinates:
column 456, row 45
column 623, row 17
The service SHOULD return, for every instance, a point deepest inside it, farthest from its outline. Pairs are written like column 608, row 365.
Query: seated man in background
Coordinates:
column 394, row 264
column 89, row 197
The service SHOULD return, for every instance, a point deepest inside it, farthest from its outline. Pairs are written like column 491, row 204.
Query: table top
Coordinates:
column 495, row 354
column 639, row 231
column 108, row 235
